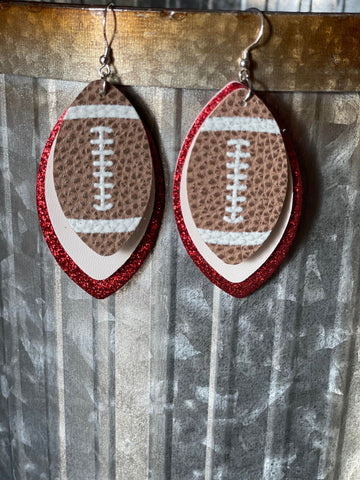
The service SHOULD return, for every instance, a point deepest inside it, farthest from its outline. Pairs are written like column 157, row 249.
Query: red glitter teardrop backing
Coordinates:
column 267, row 268
column 105, row 287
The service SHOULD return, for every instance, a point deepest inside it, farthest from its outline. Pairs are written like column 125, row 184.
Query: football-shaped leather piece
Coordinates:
column 237, row 177
column 233, row 195
column 102, row 168
column 100, row 190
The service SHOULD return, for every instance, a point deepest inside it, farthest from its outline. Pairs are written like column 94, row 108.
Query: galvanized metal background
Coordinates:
column 170, row 378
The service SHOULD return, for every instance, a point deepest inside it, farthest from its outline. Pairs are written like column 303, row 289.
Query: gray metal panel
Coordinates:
column 265, row 387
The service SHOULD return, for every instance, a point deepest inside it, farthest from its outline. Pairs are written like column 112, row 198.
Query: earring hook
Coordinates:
column 244, row 73
column 261, row 29
column 105, row 59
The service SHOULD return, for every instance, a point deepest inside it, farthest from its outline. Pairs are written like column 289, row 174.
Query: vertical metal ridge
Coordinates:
column 170, row 354
column 306, row 218
column 212, row 383
column 103, row 369
column 13, row 322
column 51, row 99
column 273, row 409
column 47, row 296
column 3, row 413
column 96, row 394
column 46, row 380
column 42, row 288
column 163, row 309
column 6, row 219
column 111, row 366
column 132, row 359
column 60, row 373
column 170, row 371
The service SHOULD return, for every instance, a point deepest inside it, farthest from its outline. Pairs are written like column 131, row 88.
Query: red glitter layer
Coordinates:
column 252, row 283
column 99, row 288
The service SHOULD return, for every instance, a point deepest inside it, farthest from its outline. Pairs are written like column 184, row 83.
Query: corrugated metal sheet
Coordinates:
column 170, row 378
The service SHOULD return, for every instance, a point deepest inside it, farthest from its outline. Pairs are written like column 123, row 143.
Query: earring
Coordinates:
column 237, row 188
column 100, row 188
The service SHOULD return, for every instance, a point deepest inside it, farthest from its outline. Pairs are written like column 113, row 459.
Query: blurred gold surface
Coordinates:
column 182, row 49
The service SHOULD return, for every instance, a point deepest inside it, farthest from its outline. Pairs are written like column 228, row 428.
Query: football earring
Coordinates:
column 100, row 189
column 237, row 189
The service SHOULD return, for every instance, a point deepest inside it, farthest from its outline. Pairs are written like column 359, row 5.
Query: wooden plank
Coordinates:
column 182, row 49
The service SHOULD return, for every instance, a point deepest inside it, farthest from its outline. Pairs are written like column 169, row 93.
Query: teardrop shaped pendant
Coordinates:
column 237, row 192
column 100, row 190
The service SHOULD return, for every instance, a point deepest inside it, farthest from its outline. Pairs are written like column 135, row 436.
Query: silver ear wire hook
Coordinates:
column 105, row 59
column 244, row 73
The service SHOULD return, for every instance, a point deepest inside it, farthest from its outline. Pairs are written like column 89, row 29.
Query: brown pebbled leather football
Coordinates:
column 237, row 177
column 237, row 192
column 103, row 169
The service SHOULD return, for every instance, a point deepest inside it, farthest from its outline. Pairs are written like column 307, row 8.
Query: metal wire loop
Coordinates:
column 245, row 64
column 106, row 59
column 104, row 71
